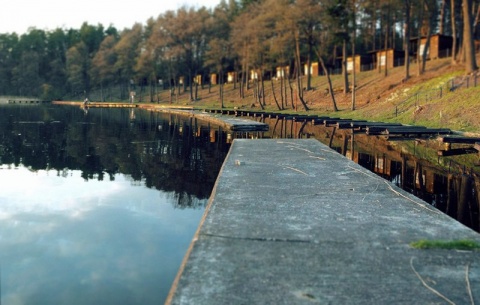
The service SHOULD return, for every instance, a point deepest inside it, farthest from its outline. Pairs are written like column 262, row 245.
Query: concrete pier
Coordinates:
column 294, row 222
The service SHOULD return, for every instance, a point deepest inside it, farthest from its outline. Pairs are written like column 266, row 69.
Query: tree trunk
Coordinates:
column 195, row 97
column 406, row 41
column 374, row 27
column 344, row 67
column 291, row 90
column 441, row 21
column 274, row 95
column 221, row 77
column 240, row 88
column 282, row 80
column 309, row 67
column 152, row 90
column 330, row 87
column 299, row 83
column 387, row 30
column 259, row 92
column 286, row 78
column 469, row 49
column 191, row 80
column 454, row 31
column 419, row 59
column 354, row 38
column 425, row 51
column 382, row 24
column 475, row 23
column 262, row 90
column 244, row 79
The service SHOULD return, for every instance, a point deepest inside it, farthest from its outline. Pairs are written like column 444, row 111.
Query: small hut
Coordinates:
column 389, row 58
column 213, row 79
column 231, row 77
column 197, row 79
column 254, row 74
column 361, row 63
column 313, row 69
column 440, row 46
column 283, row 72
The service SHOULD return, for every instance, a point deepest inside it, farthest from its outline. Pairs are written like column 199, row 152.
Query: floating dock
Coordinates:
column 294, row 222
column 370, row 128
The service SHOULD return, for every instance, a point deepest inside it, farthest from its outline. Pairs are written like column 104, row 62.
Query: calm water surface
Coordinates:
column 99, row 208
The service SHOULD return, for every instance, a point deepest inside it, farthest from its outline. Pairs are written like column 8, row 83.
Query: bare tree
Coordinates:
column 406, row 40
column 453, row 16
column 469, row 49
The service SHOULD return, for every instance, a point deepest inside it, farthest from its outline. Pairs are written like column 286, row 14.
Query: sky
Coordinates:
column 19, row 15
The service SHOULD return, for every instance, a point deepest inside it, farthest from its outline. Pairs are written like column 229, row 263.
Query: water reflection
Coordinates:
column 451, row 184
column 99, row 208
column 170, row 153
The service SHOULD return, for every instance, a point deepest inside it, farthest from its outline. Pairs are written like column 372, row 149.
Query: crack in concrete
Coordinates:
column 271, row 239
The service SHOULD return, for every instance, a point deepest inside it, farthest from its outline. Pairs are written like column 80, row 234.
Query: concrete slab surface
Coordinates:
column 294, row 222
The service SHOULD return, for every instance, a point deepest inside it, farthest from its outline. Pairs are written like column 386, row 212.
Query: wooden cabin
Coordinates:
column 197, row 79
column 313, row 69
column 213, row 79
column 254, row 74
column 361, row 63
column 440, row 46
column 283, row 72
column 231, row 77
column 389, row 58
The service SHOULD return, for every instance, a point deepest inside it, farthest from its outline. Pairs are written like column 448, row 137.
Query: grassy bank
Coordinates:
column 378, row 97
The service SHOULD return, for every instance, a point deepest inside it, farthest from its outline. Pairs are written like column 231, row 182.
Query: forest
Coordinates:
column 246, row 39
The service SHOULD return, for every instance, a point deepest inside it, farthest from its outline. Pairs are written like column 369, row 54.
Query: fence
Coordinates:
column 423, row 97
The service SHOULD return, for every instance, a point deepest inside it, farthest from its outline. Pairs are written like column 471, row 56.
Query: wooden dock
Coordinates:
column 457, row 152
column 459, row 140
column 27, row 102
column 370, row 128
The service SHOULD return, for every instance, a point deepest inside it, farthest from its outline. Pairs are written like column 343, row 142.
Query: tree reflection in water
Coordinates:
column 167, row 152
column 99, row 208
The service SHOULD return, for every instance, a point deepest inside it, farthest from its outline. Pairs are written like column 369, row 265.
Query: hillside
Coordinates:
column 376, row 97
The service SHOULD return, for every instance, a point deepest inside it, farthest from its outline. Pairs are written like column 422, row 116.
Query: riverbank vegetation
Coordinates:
column 296, row 56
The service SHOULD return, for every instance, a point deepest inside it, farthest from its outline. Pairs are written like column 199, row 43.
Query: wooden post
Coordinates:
column 451, row 197
column 352, row 146
column 345, row 145
column 331, row 137
column 463, row 210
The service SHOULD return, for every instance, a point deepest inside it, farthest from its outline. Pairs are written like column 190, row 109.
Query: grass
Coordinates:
column 449, row 245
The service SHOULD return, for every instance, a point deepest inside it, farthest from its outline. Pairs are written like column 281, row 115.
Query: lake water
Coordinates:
column 99, row 207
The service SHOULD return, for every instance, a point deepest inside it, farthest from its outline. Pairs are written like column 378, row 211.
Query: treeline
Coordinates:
column 183, row 48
